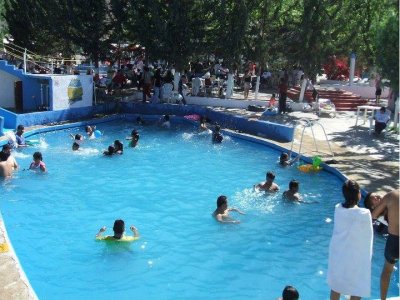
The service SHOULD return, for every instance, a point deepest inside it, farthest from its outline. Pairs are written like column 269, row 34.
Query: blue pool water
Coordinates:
column 167, row 187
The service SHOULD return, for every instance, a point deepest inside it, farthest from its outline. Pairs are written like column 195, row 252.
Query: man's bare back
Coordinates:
column 390, row 202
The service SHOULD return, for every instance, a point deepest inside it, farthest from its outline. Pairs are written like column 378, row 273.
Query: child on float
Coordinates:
column 37, row 163
column 119, row 230
column 221, row 213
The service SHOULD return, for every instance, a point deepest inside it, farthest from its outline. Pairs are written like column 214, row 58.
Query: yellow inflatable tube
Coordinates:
column 309, row 168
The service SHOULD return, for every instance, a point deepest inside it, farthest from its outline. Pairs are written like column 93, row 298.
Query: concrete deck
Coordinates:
column 371, row 160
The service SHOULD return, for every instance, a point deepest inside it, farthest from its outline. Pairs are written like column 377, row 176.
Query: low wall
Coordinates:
column 273, row 131
column 276, row 132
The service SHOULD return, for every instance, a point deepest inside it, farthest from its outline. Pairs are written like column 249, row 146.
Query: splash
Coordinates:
column 250, row 199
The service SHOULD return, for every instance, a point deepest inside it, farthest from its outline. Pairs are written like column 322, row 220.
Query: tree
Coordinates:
column 388, row 50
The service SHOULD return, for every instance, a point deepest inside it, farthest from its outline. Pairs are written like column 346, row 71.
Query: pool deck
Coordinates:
column 371, row 160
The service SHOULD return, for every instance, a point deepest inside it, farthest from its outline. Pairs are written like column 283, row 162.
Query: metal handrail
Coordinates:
column 310, row 124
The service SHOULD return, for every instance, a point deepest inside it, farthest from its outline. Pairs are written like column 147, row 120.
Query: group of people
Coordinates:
column 353, row 225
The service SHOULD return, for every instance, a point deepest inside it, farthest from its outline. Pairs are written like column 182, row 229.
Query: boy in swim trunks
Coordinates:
column 119, row 230
column 269, row 185
column 371, row 201
column 293, row 192
column 390, row 202
column 221, row 214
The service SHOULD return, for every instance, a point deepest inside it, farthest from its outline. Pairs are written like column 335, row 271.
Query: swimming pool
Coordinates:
column 167, row 187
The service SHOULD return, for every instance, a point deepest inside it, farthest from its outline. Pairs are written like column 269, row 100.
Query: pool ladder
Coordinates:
column 309, row 124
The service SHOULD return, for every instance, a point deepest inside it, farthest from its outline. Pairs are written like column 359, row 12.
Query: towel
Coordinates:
column 350, row 252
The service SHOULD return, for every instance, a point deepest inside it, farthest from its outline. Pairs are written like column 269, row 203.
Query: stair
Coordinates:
column 343, row 100
column 11, row 69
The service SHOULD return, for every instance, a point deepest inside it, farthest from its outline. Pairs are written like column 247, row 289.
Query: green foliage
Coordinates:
column 277, row 33
column 388, row 50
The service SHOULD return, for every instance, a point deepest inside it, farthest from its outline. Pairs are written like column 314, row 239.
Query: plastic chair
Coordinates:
column 325, row 106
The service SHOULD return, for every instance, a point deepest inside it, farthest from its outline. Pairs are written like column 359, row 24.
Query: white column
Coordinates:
column 352, row 67
column 25, row 61
column 177, row 77
column 303, row 89
column 229, row 86
column 257, row 88
column 396, row 113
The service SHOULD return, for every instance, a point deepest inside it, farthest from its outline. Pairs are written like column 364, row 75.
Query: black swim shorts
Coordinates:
column 392, row 248
column 378, row 92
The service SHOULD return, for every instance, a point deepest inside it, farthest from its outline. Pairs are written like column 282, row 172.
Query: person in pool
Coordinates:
column 268, row 185
column 285, row 161
column 165, row 122
column 217, row 136
column 19, row 136
column 110, row 151
column 119, row 230
column 290, row 293
column 203, row 125
column 90, row 131
column 37, row 163
column 134, row 138
column 292, row 193
column 7, row 162
column 118, row 147
column 221, row 214
column 78, row 139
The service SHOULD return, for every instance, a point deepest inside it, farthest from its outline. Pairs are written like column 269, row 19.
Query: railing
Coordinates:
column 309, row 124
column 31, row 62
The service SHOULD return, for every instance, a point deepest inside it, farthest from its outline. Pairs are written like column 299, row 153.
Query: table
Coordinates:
column 366, row 108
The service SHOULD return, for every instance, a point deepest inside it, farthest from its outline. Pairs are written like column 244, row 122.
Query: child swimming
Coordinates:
column 37, row 163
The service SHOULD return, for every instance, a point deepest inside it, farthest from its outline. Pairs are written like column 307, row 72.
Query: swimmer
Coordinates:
column 19, row 136
column 292, row 193
column 284, row 159
column 90, row 131
column 221, row 214
column 134, row 138
column 75, row 146
column 37, row 163
column 119, row 230
column 7, row 162
column 165, row 122
column 203, row 126
column 118, row 147
column 217, row 136
column 110, row 151
column 139, row 121
column 268, row 185
column 290, row 293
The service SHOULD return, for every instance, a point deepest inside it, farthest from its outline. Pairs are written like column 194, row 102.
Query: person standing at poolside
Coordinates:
column 221, row 214
column 268, row 185
column 350, row 249
column 282, row 87
column 119, row 230
column 390, row 203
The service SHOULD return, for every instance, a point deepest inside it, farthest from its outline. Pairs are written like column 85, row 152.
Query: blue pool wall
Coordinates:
column 273, row 131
